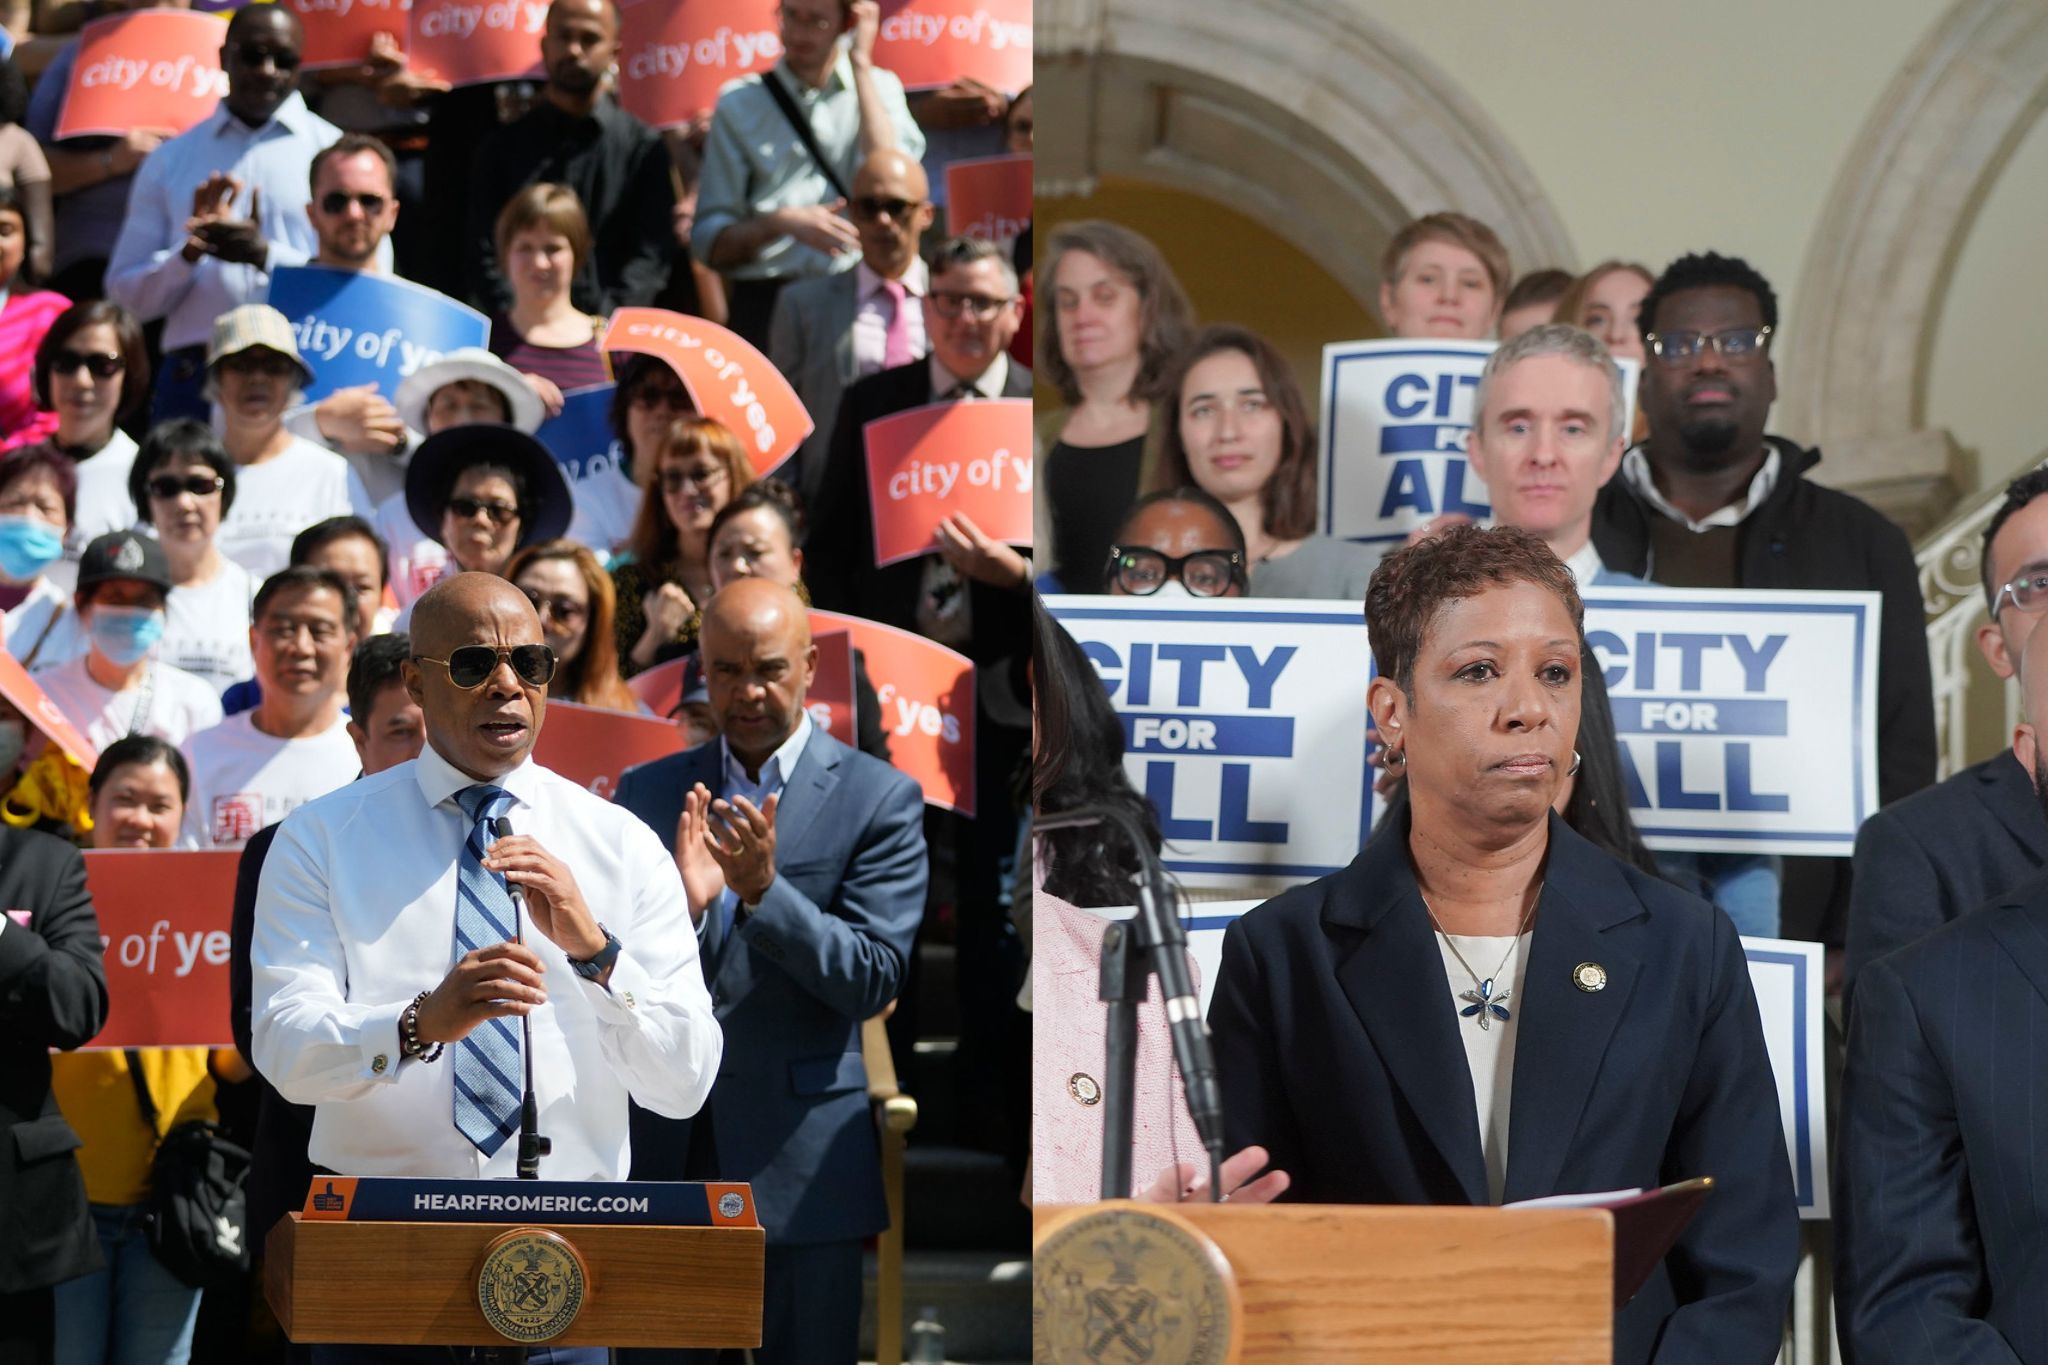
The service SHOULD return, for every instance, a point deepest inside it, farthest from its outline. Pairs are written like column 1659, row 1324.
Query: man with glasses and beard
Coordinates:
column 390, row 973
column 576, row 135
column 1941, row 1204
column 1710, row 501
column 214, row 210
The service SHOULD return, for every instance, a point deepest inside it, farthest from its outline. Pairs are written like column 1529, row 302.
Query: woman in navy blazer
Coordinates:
column 1607, row 1014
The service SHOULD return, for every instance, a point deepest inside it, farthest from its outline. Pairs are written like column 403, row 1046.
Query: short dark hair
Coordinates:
column 127, row 335
column 1287, row 504
column 1416, row 582
column 1538, row 286
column 372, row 668
column 2018, row 494
column 321, row 534
column 773, row 494
column 353, row 144
column 180, row 438
column 139, row 751
column 306, row 578
column 1706, row 270
column 955, row 252
column 43, row 455
column 628, row 376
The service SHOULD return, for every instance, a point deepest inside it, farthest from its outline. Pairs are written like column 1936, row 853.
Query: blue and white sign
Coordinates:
column 1747, row 719
column 355, row 328
column 1788, row 980
column 1244, row 722
column 593, row 461
column 1397, row 419
column 1396, row 416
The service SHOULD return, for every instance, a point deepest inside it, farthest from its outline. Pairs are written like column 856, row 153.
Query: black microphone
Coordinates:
column 1164, row 940
column 532, row 1146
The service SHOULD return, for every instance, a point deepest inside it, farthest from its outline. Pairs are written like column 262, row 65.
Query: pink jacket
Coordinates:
column 1067, row 1026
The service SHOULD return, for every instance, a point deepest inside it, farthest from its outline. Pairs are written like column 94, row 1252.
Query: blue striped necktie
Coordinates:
column 487, row 1066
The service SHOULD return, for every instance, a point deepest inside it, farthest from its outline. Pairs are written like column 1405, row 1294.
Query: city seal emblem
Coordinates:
column 530, row 1286
column 730, row 1205
column 1129, row 1284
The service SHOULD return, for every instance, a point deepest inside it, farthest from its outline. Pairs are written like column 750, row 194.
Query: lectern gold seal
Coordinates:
column 531, row 1285
column 1131, row 1285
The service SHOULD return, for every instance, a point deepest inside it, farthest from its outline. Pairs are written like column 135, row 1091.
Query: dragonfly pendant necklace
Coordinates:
column 1486, row 1004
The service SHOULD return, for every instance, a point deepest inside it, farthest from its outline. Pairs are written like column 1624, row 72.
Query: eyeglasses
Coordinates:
column 497, row 513
column 283, row 58
column 563, row 611
column 471, row 666
column 980, row 307
column 168, row 486
column 703, row 475
column 258, row 361
column 284, row 632
column 99, row 366
column 652, row 396
column 868, row 206
column 1205, row 573
column 803, row 24
column 2028, row 592
column 1737, row 343
column 334, row 203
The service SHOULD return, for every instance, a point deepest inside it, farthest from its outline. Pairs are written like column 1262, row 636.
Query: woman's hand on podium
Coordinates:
column 1177, row 1184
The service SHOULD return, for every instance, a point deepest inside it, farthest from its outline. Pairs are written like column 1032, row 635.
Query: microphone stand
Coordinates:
column 1153, row 944
column 532, row 1146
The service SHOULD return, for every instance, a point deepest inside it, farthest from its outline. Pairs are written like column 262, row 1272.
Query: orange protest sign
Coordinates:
column 728, row 379
column 927, row 696
column 592, row 746
column 930, row 43
column 989, row 197
column 675, row 54
column 830, row 700
column 338, row 32
column 469, row 42
column 154, row 68
column 29, row 698
column 928, row 463
column 659, row 688
column 164, row 919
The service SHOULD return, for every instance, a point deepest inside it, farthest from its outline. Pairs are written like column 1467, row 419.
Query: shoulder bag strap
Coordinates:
column 143, row 1098
column 787, row 104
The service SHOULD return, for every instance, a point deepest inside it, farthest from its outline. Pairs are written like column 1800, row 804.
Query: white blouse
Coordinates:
column 1489, row 1051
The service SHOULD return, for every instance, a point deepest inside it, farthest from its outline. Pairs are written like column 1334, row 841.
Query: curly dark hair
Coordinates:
column 1414, row 583
column 1706, row 270
column 2018, row 494
column 1079, row 761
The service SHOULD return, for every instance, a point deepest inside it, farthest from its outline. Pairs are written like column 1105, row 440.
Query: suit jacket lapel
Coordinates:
column 2009, row 792
column 1393, row 976
column 1563, row 1031
column 843, row 314
column 2024, row 936
column 804, row 793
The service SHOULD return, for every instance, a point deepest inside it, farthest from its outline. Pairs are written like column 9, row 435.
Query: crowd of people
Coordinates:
column 250, row 605
column 1184, row 463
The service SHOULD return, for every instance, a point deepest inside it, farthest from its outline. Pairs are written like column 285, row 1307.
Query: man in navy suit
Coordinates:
column 1941, row 1194
column 804, row 864
column 1945, row 850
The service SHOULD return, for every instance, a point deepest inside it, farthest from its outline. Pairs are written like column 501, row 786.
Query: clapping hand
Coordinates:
column 214, row 229
column 703, row 878
column 742, row 839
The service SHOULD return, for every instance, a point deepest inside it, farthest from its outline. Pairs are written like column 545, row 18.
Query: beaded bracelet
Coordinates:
column 409, row 1023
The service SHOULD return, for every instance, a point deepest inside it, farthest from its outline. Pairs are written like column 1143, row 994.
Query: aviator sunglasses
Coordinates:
column 472, row 665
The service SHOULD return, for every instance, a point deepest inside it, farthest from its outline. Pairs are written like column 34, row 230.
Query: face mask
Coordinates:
column 1173, row 587
column 27, row 546
column 13, row 739
column 125, row 634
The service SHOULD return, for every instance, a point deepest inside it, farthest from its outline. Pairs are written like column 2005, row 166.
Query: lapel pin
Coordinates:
column 1082, row 1087
column 1589, row 977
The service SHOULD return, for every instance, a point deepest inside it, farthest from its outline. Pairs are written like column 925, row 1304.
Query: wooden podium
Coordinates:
column 1305, row 1282
column 334, row 1275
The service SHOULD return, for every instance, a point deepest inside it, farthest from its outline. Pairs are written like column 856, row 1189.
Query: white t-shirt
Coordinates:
column 103, row 503
column 279, row 498
column 243, row 779
column 1489, row 1051
column 417, row 560
column 168, row 703
column 606, row 501
column 206, row 627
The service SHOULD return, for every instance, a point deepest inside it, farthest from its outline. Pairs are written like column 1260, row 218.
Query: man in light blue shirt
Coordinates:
column 767, row 211
column 214, row 210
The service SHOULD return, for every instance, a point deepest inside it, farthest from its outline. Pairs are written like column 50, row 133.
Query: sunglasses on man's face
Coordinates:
column 334, row 203
column 99, row 366
column 471, row 666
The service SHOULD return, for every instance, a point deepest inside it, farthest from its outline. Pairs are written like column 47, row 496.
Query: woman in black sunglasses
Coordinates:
column 183, row 483
column 91, row 372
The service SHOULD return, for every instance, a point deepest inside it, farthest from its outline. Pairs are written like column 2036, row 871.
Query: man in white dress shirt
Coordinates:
column 366, row 969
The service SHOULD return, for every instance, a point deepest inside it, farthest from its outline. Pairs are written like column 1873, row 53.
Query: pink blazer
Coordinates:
column 1067, row 1065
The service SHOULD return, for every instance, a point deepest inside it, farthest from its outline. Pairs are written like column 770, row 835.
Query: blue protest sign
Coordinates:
column 357, row 328
column 593, row 461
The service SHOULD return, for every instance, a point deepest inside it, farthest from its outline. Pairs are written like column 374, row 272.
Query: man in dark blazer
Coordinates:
column 1941, row 1202
column 834, row 329
column 819, row 880
column 1947, row 850
column 53, row 994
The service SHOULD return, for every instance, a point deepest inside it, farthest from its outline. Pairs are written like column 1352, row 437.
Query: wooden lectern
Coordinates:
column 332, row 1275
column 1308, row 1282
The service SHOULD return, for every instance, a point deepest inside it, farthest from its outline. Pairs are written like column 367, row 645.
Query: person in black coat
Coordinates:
column 1484, row 1007
column 1945, row 851
column 1710, row 501
column 53, row 994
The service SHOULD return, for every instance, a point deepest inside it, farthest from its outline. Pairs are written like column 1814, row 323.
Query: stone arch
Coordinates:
column 1307, row 114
